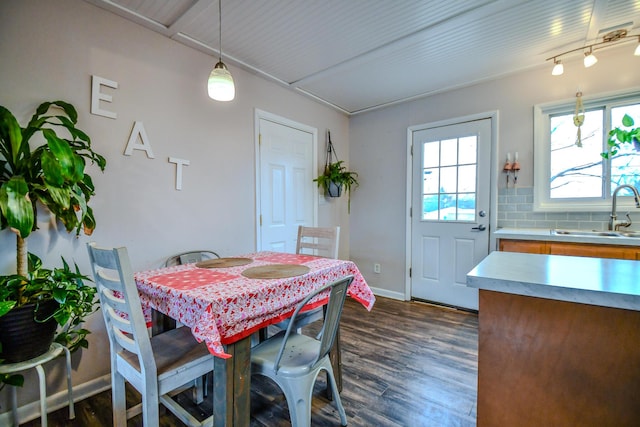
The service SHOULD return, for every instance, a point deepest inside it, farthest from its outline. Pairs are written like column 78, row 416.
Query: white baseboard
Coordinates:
column 31, row 411
column 388, row 294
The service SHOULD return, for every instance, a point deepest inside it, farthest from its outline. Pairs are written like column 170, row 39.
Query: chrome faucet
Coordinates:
column 613, row 223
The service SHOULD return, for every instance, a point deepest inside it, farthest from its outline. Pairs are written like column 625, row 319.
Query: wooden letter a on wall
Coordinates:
column 138, row 132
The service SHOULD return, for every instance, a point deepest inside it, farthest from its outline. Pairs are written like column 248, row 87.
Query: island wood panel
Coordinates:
column 543, row 362
column 570, row 248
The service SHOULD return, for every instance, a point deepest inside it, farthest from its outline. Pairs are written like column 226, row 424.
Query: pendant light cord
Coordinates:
column 220, row 28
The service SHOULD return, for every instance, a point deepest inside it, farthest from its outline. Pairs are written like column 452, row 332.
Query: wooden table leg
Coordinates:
column 232, row 386
column 336, row 361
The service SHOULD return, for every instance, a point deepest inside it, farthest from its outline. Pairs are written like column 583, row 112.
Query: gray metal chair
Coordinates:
column 190, row 257
column 293, row 361
column 154, row 366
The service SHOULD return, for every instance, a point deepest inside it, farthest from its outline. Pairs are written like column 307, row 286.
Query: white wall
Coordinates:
column 49, row 50
column 378, row 140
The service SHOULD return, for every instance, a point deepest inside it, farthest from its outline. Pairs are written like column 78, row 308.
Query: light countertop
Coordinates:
column 597, row 281
column 547, row 234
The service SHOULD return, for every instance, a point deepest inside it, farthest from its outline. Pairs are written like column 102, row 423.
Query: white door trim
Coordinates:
column 264, row 115
column 493, row 220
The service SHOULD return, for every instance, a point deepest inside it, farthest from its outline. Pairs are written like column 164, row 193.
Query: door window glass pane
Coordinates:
column 431, row 156
column 449, row 186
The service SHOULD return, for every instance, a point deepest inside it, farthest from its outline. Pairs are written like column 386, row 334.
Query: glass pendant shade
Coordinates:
column 220, row 85
column 558, row 69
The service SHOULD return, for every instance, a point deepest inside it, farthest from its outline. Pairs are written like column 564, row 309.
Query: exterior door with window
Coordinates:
column 450, row 210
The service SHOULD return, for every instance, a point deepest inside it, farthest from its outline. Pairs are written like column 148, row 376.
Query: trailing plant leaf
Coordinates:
column 618, row 137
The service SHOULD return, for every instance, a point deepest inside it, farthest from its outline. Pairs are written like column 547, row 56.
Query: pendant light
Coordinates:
column 220, row 85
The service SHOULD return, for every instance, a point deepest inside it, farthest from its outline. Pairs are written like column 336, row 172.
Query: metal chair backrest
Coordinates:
column 322, row 241
column 190, row 257
column 337, row 296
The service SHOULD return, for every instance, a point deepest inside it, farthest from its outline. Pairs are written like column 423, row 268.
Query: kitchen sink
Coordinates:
column 630, row 233
column 596, row 233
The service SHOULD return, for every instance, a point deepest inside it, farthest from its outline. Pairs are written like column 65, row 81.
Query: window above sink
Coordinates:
column 572, row 178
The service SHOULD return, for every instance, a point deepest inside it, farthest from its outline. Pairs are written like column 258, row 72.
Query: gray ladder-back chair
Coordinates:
column 154, row 366
column 322, row 241
column 293, row 361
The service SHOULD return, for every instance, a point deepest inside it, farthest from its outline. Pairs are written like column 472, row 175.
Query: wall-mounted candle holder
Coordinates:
column 512, row 168
column 515, row 167
column 507, row 168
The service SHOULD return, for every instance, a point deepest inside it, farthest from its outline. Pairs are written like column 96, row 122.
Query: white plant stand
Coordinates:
column 37, row 362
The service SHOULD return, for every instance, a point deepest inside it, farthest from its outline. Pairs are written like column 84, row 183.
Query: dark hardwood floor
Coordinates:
column 405, row 364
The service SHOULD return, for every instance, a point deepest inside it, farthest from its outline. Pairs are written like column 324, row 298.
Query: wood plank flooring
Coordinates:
column 405, row 364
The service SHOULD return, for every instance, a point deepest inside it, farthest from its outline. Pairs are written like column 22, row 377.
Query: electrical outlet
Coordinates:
column 376, row 268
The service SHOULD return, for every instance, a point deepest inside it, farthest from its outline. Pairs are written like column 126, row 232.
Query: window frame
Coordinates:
column 542, row 201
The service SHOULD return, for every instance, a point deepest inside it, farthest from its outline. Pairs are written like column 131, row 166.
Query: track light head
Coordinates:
column 589, row 59
column 558, row 68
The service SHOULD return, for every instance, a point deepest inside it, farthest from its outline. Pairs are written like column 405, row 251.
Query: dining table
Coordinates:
column 224, row 301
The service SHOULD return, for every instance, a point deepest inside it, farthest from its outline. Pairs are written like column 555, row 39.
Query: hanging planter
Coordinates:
column 336, row 176
column 334, row 189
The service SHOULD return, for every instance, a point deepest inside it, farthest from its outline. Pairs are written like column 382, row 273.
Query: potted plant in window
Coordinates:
column 619, row 136
column 50, row 174
column 335, row 176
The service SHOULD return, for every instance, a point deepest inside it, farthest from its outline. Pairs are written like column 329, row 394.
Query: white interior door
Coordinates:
column 287, row 193
column 450, row 210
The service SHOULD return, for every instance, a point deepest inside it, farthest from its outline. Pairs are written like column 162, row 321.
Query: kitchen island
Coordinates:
column 559, row 340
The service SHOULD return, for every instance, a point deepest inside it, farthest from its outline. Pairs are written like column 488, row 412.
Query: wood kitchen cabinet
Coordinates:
column 570, row 248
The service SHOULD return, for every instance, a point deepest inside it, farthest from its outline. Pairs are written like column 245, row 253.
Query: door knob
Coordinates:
column 481, row 227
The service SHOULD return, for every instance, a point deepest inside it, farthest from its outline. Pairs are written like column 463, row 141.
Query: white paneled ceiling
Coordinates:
column 359, row 55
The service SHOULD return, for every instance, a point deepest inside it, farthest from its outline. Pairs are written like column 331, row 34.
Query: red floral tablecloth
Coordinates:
column 221, row 306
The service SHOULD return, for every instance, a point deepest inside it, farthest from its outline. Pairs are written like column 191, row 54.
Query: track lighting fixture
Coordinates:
column 608, row 40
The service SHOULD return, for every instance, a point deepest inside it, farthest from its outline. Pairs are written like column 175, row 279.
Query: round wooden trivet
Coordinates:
column 223, row 262
column 275, row 271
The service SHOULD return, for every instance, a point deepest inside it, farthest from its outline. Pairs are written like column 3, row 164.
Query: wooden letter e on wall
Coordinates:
column 138, row 133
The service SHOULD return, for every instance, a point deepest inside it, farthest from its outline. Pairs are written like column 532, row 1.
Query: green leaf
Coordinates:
column 10, row 135
column 6, row 306
column 16, row 206
column 60, row 197
column 62, row 153
column 627, row 121
column 53, row 173
column 13, row 380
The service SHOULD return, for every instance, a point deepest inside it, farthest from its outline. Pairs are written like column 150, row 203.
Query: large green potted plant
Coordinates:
column 40, row 168
column 335, row 178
